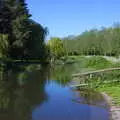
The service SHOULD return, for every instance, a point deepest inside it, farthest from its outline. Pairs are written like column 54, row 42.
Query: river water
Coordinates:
column 29, row 92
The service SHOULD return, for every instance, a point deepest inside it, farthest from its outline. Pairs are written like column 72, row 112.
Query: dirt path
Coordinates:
column 114, row 110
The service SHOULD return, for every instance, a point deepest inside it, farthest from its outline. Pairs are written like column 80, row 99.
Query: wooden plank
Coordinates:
column 94, row 72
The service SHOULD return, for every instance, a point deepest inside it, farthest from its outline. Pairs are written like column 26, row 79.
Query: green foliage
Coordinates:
column 113, row 91
column 6, row 17
column 105, row 41
column 116, row 64
column 36, row 48
column 20, row 29
column 56, row 47
column 25, row 36
column 3, row 45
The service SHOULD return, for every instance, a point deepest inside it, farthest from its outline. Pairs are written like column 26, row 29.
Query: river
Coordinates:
column 29, row 92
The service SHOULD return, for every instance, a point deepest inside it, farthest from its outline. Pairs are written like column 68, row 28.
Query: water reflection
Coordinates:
column 90, row 97
column 60, row 106
column 35, row 92
column 61, row 74
column 21, row 90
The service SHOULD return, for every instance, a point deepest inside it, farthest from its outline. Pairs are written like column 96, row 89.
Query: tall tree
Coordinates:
column 14, row 19
column 25, row 37
column 56, row 47
column 36, row 44
column 20, row 29
column 5, row 17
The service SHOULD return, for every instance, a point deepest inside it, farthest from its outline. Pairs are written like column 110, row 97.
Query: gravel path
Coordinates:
column 115, row 113
column 114, row 110
column 112, row 59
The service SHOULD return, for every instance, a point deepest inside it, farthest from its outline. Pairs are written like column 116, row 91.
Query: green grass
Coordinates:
column 113, row 91
column 72, row 58
column 108, row 83
column 96, row 62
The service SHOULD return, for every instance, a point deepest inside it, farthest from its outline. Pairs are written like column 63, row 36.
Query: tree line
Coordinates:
column 23, row 38
column 104, row 41
column 20, row 36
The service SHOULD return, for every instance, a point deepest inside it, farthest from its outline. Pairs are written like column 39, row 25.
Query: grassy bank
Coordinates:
column 109, row 82
column 113, row 91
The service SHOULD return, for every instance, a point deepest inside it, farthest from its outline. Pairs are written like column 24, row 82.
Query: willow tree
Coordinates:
column 56, row 47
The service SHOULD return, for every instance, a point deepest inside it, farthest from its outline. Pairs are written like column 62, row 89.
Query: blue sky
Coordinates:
column 72, row 17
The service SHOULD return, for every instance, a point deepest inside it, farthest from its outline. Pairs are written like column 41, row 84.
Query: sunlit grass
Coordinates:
column 107, row 82
column 113, row 91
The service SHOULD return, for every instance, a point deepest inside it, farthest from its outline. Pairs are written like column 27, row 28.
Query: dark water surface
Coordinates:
column 29, row 92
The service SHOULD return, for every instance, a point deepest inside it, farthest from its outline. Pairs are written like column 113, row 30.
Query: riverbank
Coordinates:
column 112, row 95
column 113, row 109
column 113, row 91
column 96, row 62
column 112, row 88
